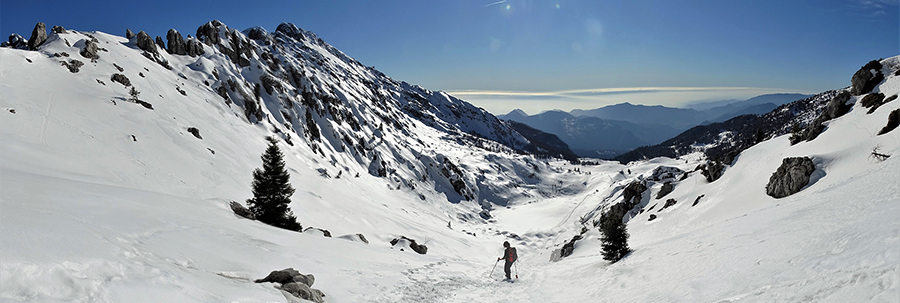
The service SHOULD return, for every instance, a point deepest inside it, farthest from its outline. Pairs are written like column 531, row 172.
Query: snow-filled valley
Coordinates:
column 105, row 200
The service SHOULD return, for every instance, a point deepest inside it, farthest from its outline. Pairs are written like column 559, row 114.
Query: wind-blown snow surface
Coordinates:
column 89, row 213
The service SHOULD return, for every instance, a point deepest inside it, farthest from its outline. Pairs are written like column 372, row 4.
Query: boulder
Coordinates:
column 669, row 202
column 404, row 241
column 176, row 42
column 38, row 36
column 194, row 131
column 665, row 190
column 652, row 217
column 837, row 106
column 697, row 200
column 59, row 29
column 90, row 50
column 279, row 276
column 242, row 211
column 866, row 78
column 307, row 280
column 129, row 34
column 121, row 79
column 791, row 176
column 146, row 43
column 893, row 122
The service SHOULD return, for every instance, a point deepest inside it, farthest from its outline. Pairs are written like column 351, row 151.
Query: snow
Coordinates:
column 90, row 214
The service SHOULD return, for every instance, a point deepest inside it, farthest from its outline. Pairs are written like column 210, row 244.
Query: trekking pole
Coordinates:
column 495, row 266
column 517, row 270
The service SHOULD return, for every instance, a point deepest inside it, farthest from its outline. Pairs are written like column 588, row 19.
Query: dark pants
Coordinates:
column 506, row 268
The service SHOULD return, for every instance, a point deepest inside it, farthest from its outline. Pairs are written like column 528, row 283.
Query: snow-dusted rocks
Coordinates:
column 59, row 29
column 15, row 41
column 866, row 78
column 404, row 242
column 90, row 49
column 712, row 170
column 241, row 211
column 791, row 176
column 665, row 190
column 892, row 123
column 664, row 172
column 295, row 284
column 38, row 36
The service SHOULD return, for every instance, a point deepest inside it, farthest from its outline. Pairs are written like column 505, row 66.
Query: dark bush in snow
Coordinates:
column 872, row 99
column 893, row 122
column 121, row 79
column 791, row 176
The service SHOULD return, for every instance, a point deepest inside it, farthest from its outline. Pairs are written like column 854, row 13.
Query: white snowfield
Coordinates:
column 104, row 201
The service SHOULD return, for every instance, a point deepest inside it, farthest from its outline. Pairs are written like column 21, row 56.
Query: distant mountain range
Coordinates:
column 612, row 130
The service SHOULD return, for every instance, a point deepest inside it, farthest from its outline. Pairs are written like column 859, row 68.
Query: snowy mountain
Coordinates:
column 109, row 198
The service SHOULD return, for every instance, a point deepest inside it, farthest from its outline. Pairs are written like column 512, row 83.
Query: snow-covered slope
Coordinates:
column 104, row 200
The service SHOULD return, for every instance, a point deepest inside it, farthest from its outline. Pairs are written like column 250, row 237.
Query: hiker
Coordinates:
column 509, row 254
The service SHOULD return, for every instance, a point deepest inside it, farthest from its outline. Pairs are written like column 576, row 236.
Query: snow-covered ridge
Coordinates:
column 318, row 99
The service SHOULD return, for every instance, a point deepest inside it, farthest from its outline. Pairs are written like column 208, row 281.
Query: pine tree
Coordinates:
column 134, row 94
column 615, row 239
column 272, row 190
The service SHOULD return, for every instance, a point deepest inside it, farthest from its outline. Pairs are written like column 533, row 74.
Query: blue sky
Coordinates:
column 532, row 54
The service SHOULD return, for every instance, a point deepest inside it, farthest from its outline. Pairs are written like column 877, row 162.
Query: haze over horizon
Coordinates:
column 544, row 55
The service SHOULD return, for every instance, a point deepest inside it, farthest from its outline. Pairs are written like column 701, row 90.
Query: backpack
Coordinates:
column 512, row 255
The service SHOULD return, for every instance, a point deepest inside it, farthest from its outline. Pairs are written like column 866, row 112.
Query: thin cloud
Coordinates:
column 495, row 3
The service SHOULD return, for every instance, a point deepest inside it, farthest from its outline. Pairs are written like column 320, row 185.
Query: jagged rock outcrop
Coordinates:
column 631, row 196
column 15, row 41
column 866, row 78
column 837, row 106
column 90, row 50
column 209, row 33
column 193, row 48
column 38, row 36
column 669, row 202
column 791, row 176
column 664, row 172
column 59, row 29
column 146, row 43
column 129, row 34
column 176, row 42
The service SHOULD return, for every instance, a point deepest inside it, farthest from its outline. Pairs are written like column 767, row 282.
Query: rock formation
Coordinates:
column 38, row 36
column 792, row 176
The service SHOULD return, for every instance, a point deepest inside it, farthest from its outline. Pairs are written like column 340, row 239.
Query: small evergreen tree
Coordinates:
column 134, row 94
column 272, row 190
column 615, row 239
